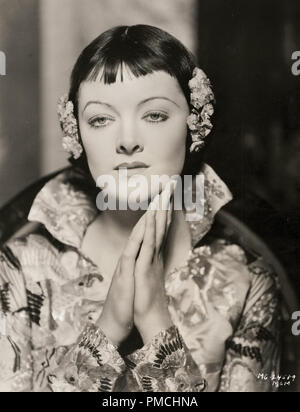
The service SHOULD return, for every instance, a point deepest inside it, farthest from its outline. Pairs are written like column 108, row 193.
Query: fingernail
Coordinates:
column 175, row 181
column 154, row 203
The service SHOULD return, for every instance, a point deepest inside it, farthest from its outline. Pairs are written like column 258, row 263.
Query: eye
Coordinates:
column 99, row 121
column 156, row 117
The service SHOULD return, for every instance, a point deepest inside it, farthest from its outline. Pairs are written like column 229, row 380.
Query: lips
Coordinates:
column 133, row 165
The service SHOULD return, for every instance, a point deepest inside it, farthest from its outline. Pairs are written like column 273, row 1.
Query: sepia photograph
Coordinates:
column 149, row 198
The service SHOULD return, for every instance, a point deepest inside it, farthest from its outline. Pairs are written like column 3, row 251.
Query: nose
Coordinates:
column 128, row 142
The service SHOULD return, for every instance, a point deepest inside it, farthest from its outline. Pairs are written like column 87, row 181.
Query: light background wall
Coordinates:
column 19, row 96
column 42, row 39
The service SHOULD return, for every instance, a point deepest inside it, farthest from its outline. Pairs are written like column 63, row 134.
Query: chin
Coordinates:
column 135, row 192
column 138, row 186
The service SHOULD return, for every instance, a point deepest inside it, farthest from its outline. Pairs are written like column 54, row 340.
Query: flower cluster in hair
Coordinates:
column 202, row 99
column 68, row 123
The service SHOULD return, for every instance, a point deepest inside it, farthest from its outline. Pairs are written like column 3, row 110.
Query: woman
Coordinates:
column 128, row 299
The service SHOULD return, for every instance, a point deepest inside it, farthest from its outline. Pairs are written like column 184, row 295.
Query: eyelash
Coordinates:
column 96, row 119
column 164, row 117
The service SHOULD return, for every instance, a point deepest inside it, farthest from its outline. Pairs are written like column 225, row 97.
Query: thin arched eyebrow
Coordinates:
column 158, row 97
column 139, row 104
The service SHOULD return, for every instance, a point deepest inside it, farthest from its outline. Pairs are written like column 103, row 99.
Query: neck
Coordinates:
column 118, row 224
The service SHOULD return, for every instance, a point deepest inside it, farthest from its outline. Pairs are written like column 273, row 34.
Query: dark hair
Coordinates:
column 143, row 49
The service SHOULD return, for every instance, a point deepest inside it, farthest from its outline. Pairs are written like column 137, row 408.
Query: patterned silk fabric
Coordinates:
column 225, row 309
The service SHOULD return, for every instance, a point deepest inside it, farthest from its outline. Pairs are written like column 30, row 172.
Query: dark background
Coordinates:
column 255, row 146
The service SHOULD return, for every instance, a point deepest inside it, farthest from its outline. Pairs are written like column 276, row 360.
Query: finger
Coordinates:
column 161, row 219
column 170, row 211
column 168, row 224
column 169, row 183
column 148, row 246
column 133, row 245
column 154, row 204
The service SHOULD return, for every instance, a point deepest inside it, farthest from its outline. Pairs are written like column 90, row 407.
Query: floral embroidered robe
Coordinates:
column 225, row 310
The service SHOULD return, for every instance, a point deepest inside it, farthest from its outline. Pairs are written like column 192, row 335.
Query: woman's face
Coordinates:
column 138, row 120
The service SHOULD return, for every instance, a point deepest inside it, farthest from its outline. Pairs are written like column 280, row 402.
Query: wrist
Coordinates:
column 107, row 328
column 152, row 324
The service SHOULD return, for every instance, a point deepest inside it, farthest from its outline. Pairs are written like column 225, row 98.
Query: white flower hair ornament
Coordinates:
column 68, row 124
column 202, row 100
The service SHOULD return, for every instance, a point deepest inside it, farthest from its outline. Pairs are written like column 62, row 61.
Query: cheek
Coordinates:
column 170, row 145
column 99, row 148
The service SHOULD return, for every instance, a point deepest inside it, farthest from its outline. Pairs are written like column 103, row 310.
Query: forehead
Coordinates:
column 132, row 89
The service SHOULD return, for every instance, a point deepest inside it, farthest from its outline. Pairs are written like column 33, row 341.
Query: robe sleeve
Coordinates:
column 165, row 365
column 15, row 330
column 253, row 352
column 93, row 364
